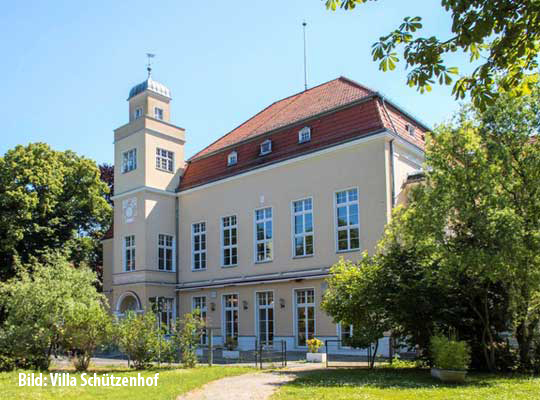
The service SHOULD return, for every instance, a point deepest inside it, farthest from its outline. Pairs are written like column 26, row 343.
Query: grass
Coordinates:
column 400, row 384
column 171, row 383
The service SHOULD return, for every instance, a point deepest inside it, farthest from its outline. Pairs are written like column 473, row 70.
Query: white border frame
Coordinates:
column 221, row 243
column 293, row 247
column 295, row 327
column 255, row 235
column 192, row 234
column 173, row 252
column 335, row 226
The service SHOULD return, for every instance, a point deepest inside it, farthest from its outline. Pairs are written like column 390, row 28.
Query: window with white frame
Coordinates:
column 266, row 147
column 129, row 160
column 138, row 112
column 265, row 318
column 229, row 237
column 158, row 113
column 232, row 158
column 230, row 318
column 304, row 135
column 263, row 235
column 303, row 227
column 129, row 253
column 345, row 334
column 165, row 252
column 164, row 160
column 305, row 316
column 347, row 223
column 199, row 303
column 198, row 243
column 163, row 307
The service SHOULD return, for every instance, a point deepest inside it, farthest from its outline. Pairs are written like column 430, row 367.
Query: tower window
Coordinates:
column 232, row 158
column 164, row 160
column 138, row 112
column 129, row 160
column 304, row 135
column 158, row 113
column 129, row 253
column 266, row 147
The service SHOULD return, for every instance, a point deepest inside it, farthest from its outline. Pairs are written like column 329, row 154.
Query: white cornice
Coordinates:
column 143, row 189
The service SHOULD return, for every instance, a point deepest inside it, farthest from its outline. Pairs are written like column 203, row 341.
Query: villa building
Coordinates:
column 247, row 229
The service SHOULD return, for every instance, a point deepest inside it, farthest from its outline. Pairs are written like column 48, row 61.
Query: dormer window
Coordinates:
column 158, row 113
column 410, row 129
column 304, row 135
column 138, row 112
column 232, row 158
column 266, row 147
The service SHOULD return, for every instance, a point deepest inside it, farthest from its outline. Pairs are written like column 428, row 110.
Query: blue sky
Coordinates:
column 67, row 66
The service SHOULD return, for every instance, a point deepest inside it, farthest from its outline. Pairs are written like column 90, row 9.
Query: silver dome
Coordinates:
column 151, row 85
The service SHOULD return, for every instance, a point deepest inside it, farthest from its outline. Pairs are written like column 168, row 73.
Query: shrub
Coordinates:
column 314, row 345
column 136, row 335
column 449, row 353
column 188, row 335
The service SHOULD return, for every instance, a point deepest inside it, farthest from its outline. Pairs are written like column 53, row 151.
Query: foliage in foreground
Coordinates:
column 189, row 330
column 136, row 335
column 464, row 255
column 49, row 306
column 449, row 353
column 500, row 37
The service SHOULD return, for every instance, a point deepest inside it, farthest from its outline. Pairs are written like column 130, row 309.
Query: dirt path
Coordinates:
column 256, row 386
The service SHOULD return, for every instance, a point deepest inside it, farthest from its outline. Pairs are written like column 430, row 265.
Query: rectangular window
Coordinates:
column 263, row 235
column 138, row 112
column 304, row 135
column 265, row 318
column 199, row 303
column 266, row 147
column 305, row 315
column 230, row 318
column 347, row 223
column 198, row 245
column 163, row 307
column 346, row 333
column 158, row 113
column 164, row 160
column 303, row 227
column 129, row 160
column 129, row 253
column 165, row 252
column 229, row 237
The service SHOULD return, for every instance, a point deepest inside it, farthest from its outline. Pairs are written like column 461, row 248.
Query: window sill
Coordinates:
column 198, row 270
column 263, row 262
column 164, row 170
column 229, row 266
column 127, row 172
column 166, row 270
column 347, row 251
column 300, row 257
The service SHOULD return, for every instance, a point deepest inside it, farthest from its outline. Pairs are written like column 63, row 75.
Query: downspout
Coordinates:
column 177, row 248
column 391, row 148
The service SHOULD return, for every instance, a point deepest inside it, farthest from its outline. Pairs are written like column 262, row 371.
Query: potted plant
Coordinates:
column 313, row 354
column 451, row 358
column 230, row 348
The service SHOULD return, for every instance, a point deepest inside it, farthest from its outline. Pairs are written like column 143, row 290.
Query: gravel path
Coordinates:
column 257, row 386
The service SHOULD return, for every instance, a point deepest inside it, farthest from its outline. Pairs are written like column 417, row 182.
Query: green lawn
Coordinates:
column 171, row 383
column 400, row 384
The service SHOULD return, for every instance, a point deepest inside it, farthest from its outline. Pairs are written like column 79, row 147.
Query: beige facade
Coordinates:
column 149, row 209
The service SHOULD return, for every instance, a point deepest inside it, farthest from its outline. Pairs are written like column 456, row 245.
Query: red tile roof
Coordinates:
column 325, row 97
column 336, row 111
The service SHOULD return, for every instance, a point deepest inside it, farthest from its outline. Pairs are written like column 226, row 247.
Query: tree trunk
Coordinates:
column 372, row 361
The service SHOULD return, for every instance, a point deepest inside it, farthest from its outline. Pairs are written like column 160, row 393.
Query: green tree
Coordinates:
column 502, row 37
column 137, row 337
column 352, row 299
column 48, row 199
column 50, row 306
column 189, row 330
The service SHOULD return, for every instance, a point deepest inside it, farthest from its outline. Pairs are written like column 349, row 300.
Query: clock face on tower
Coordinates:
column 129, row 207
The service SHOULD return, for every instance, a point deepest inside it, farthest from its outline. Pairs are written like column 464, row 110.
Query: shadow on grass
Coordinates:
column 385, row 378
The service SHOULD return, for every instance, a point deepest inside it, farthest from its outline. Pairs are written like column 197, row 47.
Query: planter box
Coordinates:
column 231, row 354
column 316, row 357
column 449, row 375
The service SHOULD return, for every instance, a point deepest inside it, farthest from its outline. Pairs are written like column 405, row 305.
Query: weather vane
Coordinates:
column 149, row 65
